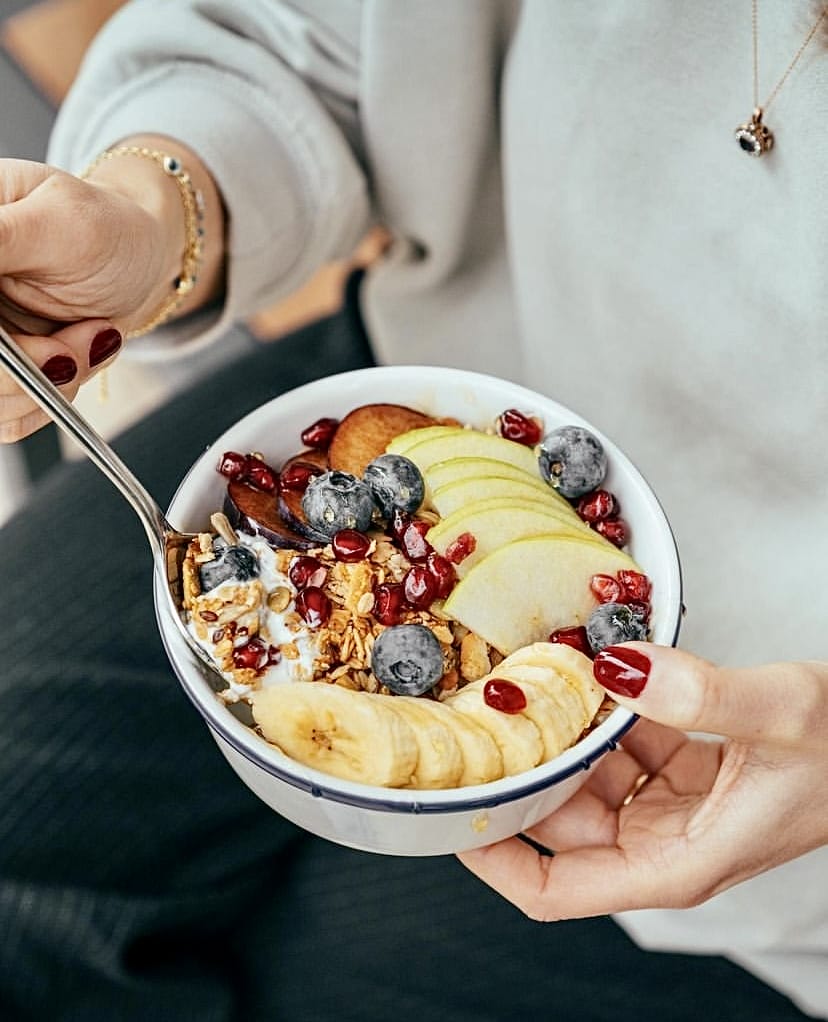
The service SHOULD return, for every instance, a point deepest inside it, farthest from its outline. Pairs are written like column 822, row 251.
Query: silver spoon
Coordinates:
column 168, row 545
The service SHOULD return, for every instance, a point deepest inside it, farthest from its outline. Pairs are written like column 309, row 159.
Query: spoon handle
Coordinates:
column 69, row 419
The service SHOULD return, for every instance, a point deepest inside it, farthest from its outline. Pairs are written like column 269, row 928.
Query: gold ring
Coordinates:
column 637, row 785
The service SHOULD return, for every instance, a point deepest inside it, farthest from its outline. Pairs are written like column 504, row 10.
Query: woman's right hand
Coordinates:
column 84, row 262
column 72, row 250
column 68, row 356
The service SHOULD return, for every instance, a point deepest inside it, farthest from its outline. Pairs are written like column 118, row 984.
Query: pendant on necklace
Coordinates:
column 754, row 138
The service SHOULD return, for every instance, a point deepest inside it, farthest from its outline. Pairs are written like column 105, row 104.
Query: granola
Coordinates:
column 226, row 619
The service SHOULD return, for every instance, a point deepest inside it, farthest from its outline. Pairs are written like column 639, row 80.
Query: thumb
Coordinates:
column 779, row 704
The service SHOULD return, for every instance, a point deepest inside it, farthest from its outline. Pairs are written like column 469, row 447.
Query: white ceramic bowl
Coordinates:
column 393, row 821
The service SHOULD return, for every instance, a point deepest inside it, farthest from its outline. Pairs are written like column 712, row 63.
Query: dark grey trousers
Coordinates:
column 140, row 880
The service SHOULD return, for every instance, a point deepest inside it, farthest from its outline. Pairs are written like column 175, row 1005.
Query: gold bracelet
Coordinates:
column 193, row 203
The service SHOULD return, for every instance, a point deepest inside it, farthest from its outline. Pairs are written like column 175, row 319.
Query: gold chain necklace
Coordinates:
column 755, row 138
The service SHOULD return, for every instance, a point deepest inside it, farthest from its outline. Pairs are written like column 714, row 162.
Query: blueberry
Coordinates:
column 231, row 563
column 338, row 500
column 395, row 482
column 614, row 622
column 572, row 461
column 408, row 659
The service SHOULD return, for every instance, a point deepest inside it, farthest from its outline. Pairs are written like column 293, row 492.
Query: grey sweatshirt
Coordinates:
column 569, row 208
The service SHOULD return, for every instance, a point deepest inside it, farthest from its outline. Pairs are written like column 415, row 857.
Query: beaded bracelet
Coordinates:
column 193, row 203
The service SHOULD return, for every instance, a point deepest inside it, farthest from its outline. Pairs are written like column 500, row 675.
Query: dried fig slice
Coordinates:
column 256, row 513
column 290, row 501
column 366, row 431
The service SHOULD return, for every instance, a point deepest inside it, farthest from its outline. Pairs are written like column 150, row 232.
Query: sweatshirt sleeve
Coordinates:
column 266, row 93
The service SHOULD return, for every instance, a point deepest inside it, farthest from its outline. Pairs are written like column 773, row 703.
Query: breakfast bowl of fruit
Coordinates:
column 400, row 576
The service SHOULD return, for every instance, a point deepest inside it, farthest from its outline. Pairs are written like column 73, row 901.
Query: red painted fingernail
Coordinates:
column 60, row 369
column 104, row 346
column 621, row 670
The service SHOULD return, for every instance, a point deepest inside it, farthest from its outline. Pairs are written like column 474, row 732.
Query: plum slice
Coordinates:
column 290, row 500
column 256, row 513
column 365, row 432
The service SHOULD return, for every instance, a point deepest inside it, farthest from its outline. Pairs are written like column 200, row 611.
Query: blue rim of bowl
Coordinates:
column 214, row 718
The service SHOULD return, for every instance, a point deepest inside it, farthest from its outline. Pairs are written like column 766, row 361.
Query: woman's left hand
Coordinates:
column 705, row 814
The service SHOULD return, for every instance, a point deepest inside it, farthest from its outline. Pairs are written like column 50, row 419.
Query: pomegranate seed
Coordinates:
column 208, row 615
column 217, row 635
column 607, row 589
column 319, row 434
column 306, row 571
column 274, row 655
column 313, row 606
column 575, row 637
column 443, row 573
column 233, row 465
column 592, row 507
column 350, row 545
column 389, row 603
column 461, row 547
column 504, row 695
column 636, row 584
column 252, row 656
column 399, row 523
column 514, row 425
column 613, row 529
column 297, row 477
column 414, row 543
column 420, row 587
column 261, row 476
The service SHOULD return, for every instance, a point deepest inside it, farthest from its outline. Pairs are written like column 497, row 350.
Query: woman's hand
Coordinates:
column 73, row 250
column 100, row 254
column 68, row 357
column 705, row 814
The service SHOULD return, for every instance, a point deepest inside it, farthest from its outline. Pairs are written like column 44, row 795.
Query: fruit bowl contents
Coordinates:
column 412, row 601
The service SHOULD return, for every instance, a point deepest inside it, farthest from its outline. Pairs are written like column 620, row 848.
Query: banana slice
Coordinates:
column 348, row 734
column 518, row 738
column 482, row 760
column 571, row 665
column 561, row 693
column 551, row 704
column 440, row 759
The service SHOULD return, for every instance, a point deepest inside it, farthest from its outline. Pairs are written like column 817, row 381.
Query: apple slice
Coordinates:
column 454, row 469
column 256, row 513
column 529, row 588
column 496, row 521
column 400, row 444
column 366, row 431
column 451, row 497
column 470, row 443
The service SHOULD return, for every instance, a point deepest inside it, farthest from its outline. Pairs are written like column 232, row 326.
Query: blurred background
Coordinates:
column 41, row 47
